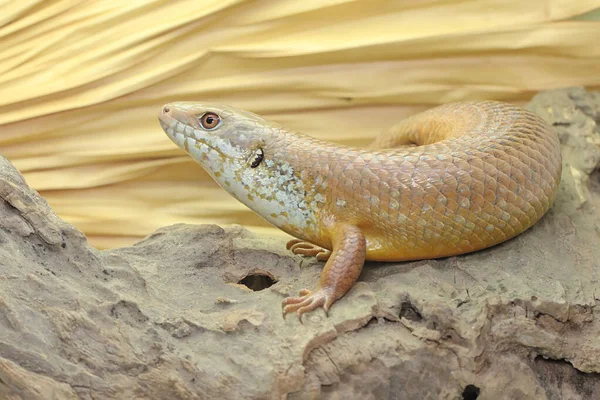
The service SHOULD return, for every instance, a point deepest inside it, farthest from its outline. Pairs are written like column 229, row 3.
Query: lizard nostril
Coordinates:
column 166, row 110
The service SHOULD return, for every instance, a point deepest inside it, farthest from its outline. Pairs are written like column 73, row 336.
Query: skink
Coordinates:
column 451, row 180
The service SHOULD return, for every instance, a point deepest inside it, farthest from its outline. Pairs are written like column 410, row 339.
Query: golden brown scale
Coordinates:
column 482, row 173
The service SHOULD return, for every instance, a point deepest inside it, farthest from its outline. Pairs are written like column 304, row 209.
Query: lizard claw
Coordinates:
column 307, row 249
column 307, row 301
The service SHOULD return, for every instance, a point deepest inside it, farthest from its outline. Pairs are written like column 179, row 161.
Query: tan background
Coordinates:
column 81, row 84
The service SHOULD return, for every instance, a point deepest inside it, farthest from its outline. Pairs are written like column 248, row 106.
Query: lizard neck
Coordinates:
column 281, row 189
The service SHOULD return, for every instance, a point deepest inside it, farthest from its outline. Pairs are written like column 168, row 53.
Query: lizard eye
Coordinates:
column 209, row 121
column 258, row 157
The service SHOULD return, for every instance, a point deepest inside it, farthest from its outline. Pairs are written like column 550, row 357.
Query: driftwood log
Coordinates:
column 193, row 312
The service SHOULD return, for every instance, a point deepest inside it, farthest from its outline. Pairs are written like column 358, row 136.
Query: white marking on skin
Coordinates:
column 247, row 180
column 177, row 137
column 224, row 146
column 280, row 196
column 460, row 219
column 271, row 198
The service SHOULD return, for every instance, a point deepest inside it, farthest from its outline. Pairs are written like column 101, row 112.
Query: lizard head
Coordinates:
column 216, row 136
column 242, row 152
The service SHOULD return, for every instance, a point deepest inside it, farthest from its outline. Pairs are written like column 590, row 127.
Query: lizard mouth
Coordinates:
column 180, row 137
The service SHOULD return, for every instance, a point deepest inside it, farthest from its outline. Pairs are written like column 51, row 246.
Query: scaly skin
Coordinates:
column 481, row 173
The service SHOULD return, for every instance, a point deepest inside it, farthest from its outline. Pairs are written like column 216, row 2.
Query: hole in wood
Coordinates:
column 471, row 392
column 258, row 280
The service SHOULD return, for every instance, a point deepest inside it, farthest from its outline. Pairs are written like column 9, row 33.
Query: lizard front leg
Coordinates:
column 339, row 275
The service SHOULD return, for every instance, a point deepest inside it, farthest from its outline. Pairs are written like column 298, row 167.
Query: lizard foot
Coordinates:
column 307, row 301
column 307, row 249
